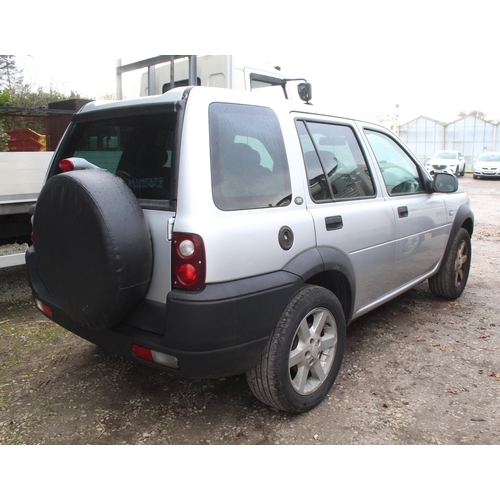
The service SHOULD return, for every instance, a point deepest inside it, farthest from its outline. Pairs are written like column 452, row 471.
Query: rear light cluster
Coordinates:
column 188, row 261
column 155, row 356
column 44, row 308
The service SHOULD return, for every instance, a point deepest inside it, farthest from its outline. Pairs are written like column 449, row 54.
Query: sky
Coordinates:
column 433, row 58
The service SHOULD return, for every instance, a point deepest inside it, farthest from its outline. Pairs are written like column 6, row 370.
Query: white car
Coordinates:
column 487, row 165
column 452, row 162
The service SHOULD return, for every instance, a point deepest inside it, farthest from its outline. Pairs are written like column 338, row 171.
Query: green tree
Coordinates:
column 5, row 98
column 10, row 76
column 15, row 92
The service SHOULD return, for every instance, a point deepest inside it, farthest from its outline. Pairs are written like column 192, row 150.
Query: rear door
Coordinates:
column 137, row 144
column 349, row 213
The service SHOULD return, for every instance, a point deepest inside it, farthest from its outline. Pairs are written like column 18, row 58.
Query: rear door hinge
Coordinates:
column 170, row 228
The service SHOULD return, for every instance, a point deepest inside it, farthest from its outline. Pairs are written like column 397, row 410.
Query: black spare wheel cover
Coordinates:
column 93, row 247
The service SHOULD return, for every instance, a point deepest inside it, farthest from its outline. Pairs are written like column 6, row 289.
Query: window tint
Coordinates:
column 248, row 160
column 399, row 171
column 335, row 166
column 138, row 149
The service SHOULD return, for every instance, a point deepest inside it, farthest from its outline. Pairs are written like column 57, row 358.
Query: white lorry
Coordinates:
column 223, row 71
column 22, row 174
column 21, row 178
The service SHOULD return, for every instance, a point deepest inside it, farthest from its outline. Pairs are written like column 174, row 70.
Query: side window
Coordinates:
column 248, row 159
column 398, row 169
column 335, row 166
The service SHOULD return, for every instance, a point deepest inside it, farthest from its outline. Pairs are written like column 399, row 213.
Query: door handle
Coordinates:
column 402, row 212
column 333, row 223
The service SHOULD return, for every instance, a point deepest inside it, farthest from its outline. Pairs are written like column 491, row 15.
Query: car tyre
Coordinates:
column 303, row 356
column 93, row 247
column 450, row 280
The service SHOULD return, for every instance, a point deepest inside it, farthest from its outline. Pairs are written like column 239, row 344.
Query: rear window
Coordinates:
column 248, row 159
column 139, row 149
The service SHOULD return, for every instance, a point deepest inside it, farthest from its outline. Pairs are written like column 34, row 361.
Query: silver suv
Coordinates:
column 210, row 232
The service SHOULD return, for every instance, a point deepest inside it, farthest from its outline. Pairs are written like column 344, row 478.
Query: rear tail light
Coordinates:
column 44, row 308
column 188, row 261
column 155, row 356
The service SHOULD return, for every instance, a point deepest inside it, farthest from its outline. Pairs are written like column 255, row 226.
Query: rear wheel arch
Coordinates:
column 329, row 268
column 340, row 286
column 339, row 278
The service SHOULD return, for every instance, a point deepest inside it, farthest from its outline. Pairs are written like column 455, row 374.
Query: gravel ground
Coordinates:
column 418, row 370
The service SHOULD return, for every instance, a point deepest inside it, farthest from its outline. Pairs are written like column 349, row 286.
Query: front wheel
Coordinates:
column 450, row 280
column 302, row 358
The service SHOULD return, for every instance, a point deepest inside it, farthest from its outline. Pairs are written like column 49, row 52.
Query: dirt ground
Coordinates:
column 418, row 370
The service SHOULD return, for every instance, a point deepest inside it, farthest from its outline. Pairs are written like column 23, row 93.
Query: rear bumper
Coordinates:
column 219, row 331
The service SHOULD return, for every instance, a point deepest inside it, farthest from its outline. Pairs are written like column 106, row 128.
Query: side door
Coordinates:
column 350, row 215
column 421, row 220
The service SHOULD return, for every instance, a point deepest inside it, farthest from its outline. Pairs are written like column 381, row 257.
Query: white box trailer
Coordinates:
column 22, row 175
column 224, row 71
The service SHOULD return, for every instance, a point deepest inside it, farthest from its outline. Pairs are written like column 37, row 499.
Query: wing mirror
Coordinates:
column 445, row 183
column 305, row 91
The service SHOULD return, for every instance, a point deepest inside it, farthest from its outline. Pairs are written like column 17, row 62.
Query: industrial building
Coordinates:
column 471, row 135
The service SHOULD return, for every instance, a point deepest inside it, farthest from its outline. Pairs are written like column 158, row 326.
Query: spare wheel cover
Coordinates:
column 93, row 247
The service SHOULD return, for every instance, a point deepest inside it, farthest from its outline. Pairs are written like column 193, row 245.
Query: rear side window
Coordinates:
column 335, row 165
column 248, row 159
column 139, row 149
